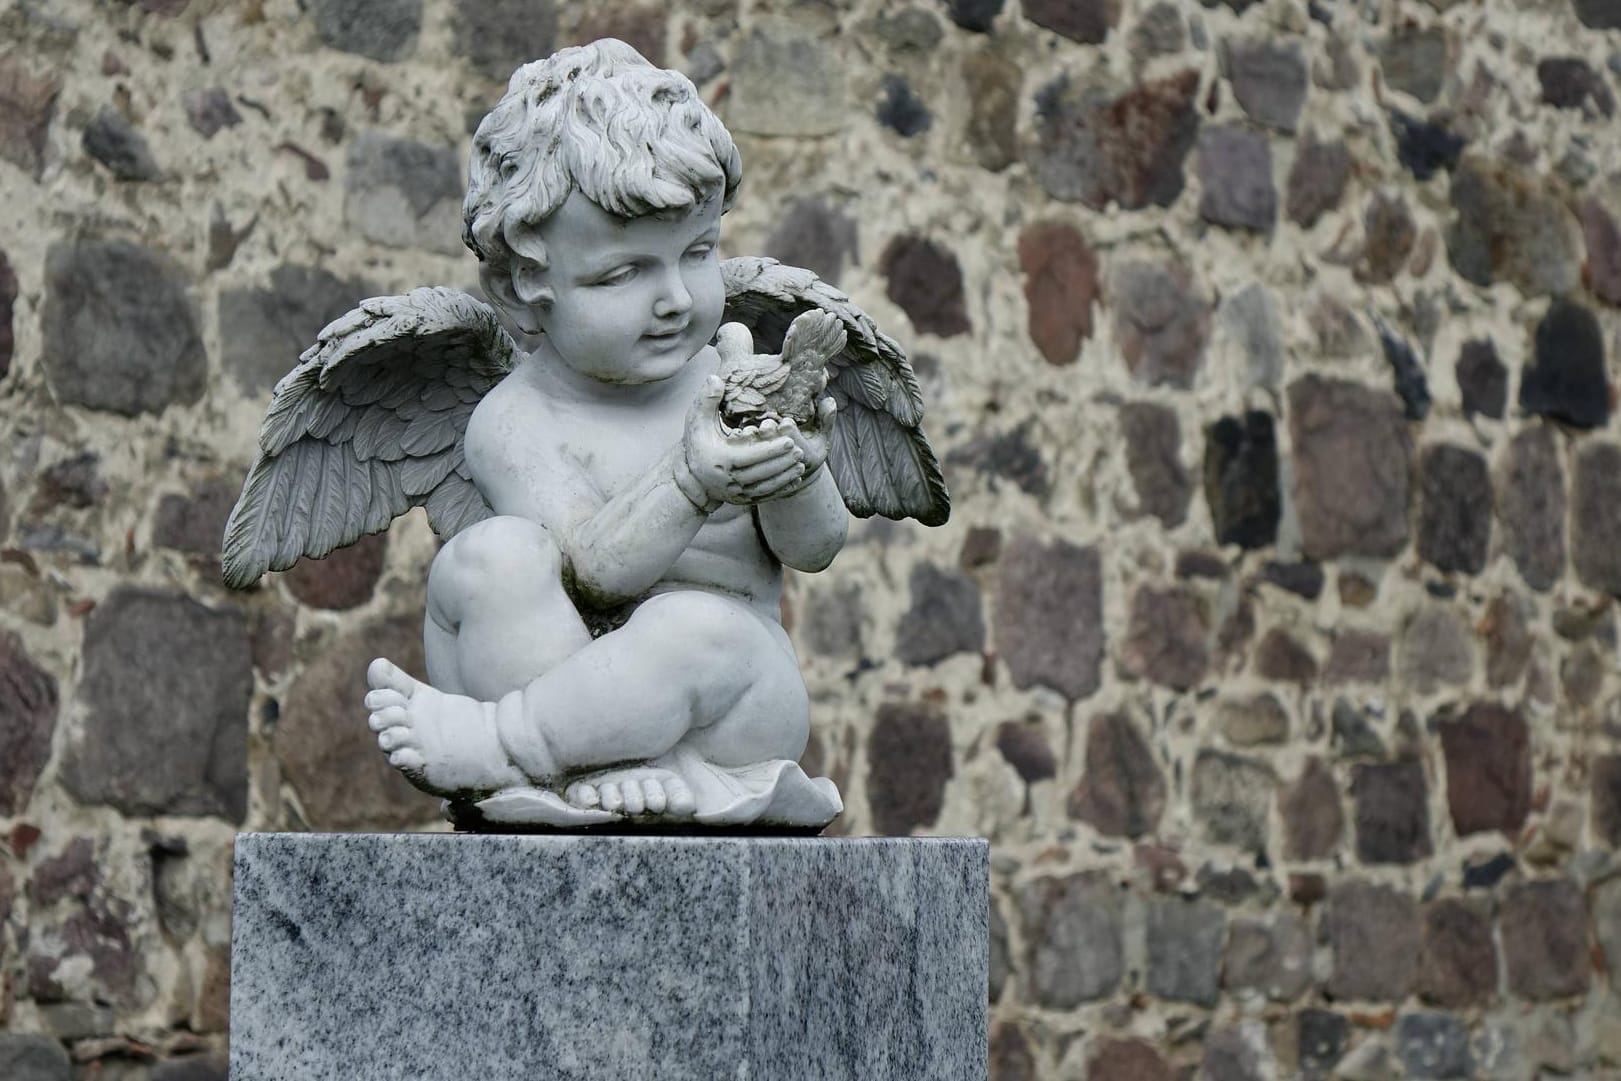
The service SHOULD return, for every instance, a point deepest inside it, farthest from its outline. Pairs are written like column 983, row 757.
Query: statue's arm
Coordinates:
column 807, row 529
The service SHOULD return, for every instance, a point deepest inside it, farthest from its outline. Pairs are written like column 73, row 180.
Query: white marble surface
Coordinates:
column 425, row 956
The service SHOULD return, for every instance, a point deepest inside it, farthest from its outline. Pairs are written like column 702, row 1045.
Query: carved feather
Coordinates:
column 879, row 455
column 366, row 426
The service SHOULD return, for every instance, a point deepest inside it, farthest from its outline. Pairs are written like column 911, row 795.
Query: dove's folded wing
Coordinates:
column 368, row 425
column 879, row 456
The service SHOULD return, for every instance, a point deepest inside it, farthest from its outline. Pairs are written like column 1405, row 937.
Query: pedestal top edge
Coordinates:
column 251, row 839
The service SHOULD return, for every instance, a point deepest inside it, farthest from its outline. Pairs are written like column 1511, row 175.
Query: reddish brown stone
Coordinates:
column 195, row 523
column 1603, row 252
column 925, row 282
column 1458, row 967
column 1060, row 284
column 1153, row 456
column 28, row 707
column 1544, row 929
column 1313, row 821
column 1488, row 757
column 1392, row 812
column 344, row 579
column 1161, row 322
column 213, row 1009
column 1165, row 642
column 27, row 102
column 1353, row 468
column 1373, row 932
column 1317, row 180
column 1389, row 236
column 1011, row 1057
column 1607, row 799
column 909, row 763
column 1122, row 793
column 329, row 755
column 1024, row 745
column 1085, row 21
column 1127, row 1060
column 1508, row 640
column 1278, row 656
column 1358, row 657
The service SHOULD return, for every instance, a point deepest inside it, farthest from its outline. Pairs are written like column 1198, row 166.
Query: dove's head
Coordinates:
column 601, row 121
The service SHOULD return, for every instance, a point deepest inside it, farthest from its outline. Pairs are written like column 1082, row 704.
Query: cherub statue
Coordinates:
column 603, row 638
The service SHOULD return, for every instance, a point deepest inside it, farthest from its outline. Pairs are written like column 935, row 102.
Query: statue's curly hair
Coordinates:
column 635, row 139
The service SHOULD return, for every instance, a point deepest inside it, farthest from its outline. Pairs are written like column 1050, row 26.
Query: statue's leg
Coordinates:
column 688, row 667
column 497, row 614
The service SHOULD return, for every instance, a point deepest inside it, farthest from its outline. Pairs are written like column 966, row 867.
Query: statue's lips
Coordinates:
column 665, row 338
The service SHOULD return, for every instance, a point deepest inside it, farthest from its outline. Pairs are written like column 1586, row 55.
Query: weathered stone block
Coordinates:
column 1072, row 934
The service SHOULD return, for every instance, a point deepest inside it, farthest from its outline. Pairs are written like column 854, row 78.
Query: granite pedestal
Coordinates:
column 435, row 957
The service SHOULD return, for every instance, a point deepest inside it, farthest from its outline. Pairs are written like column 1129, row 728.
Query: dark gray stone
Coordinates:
column 166, row 689
column 1407, row 372
column 1313, row 821
column 1455, row 509
column 1024, row 746
column 1388, row 235
column 1459, row 966
column 1392, row 812
column 909, row 763
column 1072, row 934
column 1085, row 21
column 901, row 110
column 1532, row 506
column 195, row 523
column 1048, row 618
column 1414, row 61
column 8, row 340
column 120, row 332
column 1235, row 175
column 1229, row 1056
column 498, row 35
column 192, row 1068
column 378, row 29
column 1353, row 468
column 1250, row 318
column 1510, row 226
column 1424, row 148
column 113, row 141
column 999, row 962
column 270, row 327
column 1596, row 517
column 1482, row 379
column 1184, row 949
column 925, row 281
column 1122, row 792
column 1435, row 649
column 1488, row 757
column 1321, row 1036
column 910, row 29
column 1433, row 1045
column 1241, row 480
column 1232, row 797
column 1599, row 14
column 1165, row 640
column 1159, row 32
column 25, row 1057
column 1373, row 932
column 813, row 235
column 975, row 15
column 28, row 709
column 1011, row 1056
column 875, row 969
column 1131, row 150
column 1302, row 579
column 1545, row 939
column 994, row 84
column 945, row 617
column 1269, row 79
column 1569, row 82
column 1606, row 787
column 1011, row 455
column 1161, row 322
column 1568, row 381
column 209, row 111
column 1358, row 657
column 1316, row 180
column 834, row 620
column 404, row 194
column 1271, row 956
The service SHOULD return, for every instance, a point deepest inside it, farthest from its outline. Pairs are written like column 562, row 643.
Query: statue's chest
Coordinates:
column 615, row 448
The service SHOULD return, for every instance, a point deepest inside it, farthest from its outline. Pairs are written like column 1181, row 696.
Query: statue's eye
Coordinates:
column 621, row 276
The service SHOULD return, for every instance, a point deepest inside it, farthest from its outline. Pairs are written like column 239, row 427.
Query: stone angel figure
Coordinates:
column 603, row 637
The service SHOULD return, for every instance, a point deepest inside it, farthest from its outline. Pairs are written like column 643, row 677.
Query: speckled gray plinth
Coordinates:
column 434, row 957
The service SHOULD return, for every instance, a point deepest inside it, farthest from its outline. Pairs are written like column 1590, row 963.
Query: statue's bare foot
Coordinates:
column 446, row 744
column 634, row 791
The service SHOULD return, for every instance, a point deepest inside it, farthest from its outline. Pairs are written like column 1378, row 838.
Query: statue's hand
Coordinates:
column 717, row 465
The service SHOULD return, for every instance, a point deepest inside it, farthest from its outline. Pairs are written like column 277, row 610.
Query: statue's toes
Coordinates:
column 678, row 798
column 408, row 759
column 582, row 795
column 384, row 674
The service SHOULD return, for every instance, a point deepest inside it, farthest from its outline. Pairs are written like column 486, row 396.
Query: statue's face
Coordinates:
column 632, row 300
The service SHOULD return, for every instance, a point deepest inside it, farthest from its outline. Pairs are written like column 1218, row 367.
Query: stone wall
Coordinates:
column 1269, row 346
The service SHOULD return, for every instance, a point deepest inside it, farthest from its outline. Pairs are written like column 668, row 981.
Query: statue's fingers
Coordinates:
column 746, row 452
column 772, row 487
column 754, row 474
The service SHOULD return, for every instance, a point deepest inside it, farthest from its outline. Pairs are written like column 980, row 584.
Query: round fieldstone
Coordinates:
column 1488, row 757
column 1250, row 319
column 8, row 301
column 925, row 282
column 1048, row 617
column 1373, row 933
column 1358, row 657
column 1414, row 60
column 1085, row 21
column 1011, row 455
column 112, row 140
column 1508, row 640
column 28, row 710
column 1353, row 468
column 901, row 110
column 1235, row 175
column 496, row 36
column 1569, row 82
column 326, row 751
column 1391, row 812
column 1568, row 380
column 1232, row 797
column 813, row 235
column 166, row 688
column 1435, row 649
column 269, row 327
column 1127, row 1060
column 1545, row 939
column 1388, row 236
column 195, row 523
column 404, row 194
column 1606, row 788
column 944, row 618
column 909, row 763
column 1160, row 31
column 343, row 579
column 1596, row 517
column 1023, row 745
column 1072, row 933
column 1511, row 227
column 1131, row 149
column 1455, row 502
column 26, row 1057
column 1278, row 656
column 1599, row 14
column 378, row 29
column 1010, row 1056
column 1184, row 949
column 1433, row 1045
column 1154, row 458
column 120, row 332
column 1161, row 322
column 1122, row 792
column 642, row 26
column 1322, row 1036
column 834, row 620
column 1316, row 180
column 1271, row 956
column 1482, row 379
column 1269, row 79
column 1060, row 285
column 1165, row 640
column 1532, row 506
column 1313, row 821
column 1458, row 967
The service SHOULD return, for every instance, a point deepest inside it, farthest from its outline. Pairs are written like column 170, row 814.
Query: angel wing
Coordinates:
column 878, row 453
column 368, row 425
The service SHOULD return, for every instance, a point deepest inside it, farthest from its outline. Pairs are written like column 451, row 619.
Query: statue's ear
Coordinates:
column 520, row 290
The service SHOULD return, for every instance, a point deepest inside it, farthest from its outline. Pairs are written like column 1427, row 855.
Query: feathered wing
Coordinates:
column 369, row 424
column 879, row 456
